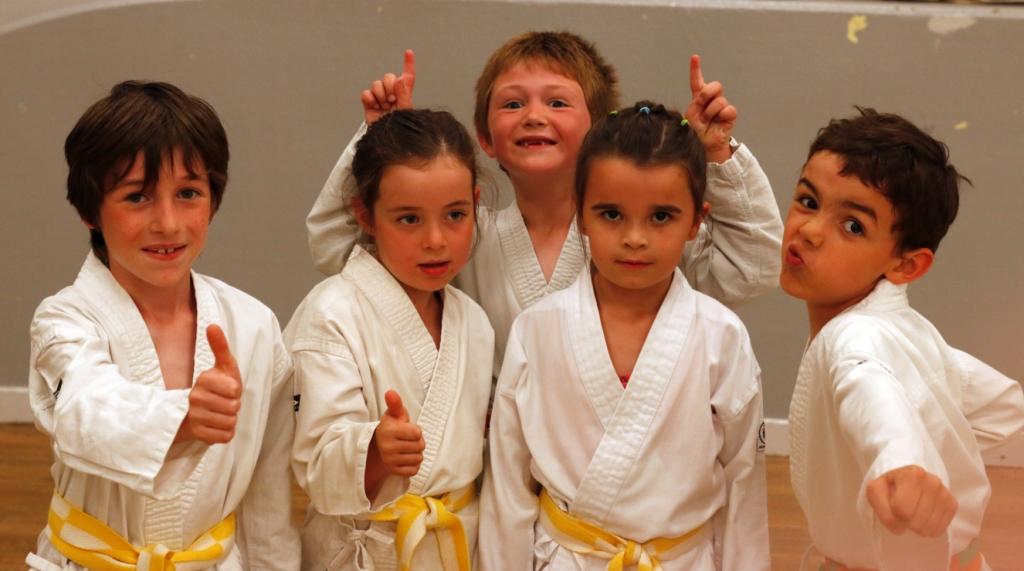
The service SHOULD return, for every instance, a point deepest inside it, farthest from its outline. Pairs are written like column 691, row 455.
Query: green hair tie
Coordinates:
column 684, row 122
column 613, row 113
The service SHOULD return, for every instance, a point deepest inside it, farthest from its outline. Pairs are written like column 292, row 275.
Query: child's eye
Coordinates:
column 612, row 215
column 661, row 216
column 408, row 219
column 189, row 193
column 853, row 227
column 135, row 197
column 512, row 105
column 558, row 103
column 807, row 202
column 457, row 215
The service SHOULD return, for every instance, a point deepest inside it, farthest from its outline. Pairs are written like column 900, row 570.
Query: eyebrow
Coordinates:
column 656, row 207
column 860, row 208
column 410, row 208
column 850, row 204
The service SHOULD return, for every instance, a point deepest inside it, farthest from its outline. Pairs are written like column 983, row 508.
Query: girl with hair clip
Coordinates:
column 655, row 382
column 393, row 365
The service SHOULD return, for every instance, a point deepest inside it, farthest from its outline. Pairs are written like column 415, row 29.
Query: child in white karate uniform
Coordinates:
column 625, row 430
column 887, row 422
column 166, row 393
column 393, row 365
column 536, row 98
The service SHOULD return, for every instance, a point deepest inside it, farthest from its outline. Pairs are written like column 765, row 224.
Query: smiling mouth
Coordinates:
column 534, row 142
column 165, row 251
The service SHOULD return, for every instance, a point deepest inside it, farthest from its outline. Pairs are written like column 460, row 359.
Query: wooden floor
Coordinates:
column 25, row 488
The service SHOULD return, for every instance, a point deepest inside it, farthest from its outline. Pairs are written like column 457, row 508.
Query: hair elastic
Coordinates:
column 684, row 122
column 613, row 113
column 645, row 110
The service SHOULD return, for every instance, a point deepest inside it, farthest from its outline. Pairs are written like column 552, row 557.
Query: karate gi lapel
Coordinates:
column 626, row 414
column 523, row 267
column 437, row 369
column 114, row 309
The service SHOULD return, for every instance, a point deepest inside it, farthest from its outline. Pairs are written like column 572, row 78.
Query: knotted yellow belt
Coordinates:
column 582, row 537
column 416, row 515
column 90, row 543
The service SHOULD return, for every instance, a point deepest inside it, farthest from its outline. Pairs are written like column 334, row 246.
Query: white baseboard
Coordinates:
column 1010, row 453
column 14, row 405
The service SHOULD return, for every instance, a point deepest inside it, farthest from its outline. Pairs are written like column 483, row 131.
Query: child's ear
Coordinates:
column 476, row 196
column 88, row 224
column 485, row 143
column 913, row 264
column 698, row 218
column 363, row 216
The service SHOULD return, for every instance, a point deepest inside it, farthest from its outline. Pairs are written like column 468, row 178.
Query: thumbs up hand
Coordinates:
column 216, row 396
column 399, row 443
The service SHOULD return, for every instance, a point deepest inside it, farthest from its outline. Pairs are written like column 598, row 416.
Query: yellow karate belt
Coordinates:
column 582, row 537
column 90, row 543
column 416, row 515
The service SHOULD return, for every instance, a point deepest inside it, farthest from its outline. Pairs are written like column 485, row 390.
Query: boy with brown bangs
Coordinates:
column 535, row 100
column 166, row 394
column 887, row 421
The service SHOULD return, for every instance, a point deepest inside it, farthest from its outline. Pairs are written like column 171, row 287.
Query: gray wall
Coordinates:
column 285, row 78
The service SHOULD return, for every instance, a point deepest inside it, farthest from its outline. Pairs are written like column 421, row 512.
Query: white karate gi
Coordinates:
column 354, row 337
column 678, row 448
column 97, row 391
column 733, row 259
column 879, row 389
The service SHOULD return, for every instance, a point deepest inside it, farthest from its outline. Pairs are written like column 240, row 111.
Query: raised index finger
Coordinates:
column 696, row 75
column 409, row 69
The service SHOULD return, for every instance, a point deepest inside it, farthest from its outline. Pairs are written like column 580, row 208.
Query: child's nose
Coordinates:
column 536, row 114
column 434, row 237
column 165, row 218
column 636, row 236
column 812, row 230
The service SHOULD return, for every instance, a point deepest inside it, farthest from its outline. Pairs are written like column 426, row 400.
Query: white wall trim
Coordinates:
column 1010, row 454
column 14, row 405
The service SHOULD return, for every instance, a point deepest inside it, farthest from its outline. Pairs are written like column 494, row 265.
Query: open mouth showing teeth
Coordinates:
column 535, row 143
column 164, row 251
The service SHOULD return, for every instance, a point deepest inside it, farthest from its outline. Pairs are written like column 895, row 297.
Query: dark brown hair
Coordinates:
column 908, row 166
column 561, row 52
column 410, row 137
column 149, row 117
column 647, row 134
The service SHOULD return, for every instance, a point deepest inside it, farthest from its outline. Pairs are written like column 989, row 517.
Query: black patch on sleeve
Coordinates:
column 295, row 402
column 761, row 438
column 56, row 392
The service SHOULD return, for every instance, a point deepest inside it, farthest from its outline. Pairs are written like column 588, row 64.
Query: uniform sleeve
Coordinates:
column 992, row 402
column 736, row 257
column 741, row 526
column 265, row 514
column 331, row 228
column 333, row 431
column 508, row 505
column 101, row 423
column 884, row 431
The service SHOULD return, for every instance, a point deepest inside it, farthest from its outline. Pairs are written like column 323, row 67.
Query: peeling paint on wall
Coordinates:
column 943, row 25
column 855, row 25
